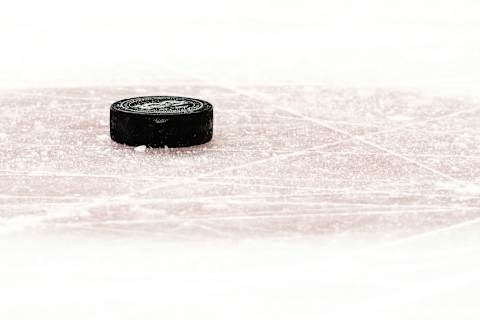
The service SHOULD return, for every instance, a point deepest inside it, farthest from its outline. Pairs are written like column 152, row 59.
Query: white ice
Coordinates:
column 342, row 182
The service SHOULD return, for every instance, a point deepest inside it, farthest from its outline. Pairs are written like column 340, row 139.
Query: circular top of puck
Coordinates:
column 161, row 105
column 159, row 121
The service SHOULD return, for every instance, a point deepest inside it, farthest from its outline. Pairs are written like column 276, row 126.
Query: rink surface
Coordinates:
column 309, row 202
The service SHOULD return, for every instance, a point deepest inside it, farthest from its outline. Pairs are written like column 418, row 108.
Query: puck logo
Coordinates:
column 161, row 105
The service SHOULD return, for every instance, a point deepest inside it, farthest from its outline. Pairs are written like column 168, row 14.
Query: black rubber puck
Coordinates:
column 159, row 121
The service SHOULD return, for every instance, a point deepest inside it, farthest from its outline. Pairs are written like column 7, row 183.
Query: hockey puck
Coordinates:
column 159, row 121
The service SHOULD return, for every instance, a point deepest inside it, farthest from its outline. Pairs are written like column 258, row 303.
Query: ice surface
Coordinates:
column 141, row 148
column 339, row 202
column 311, row 202
column 285, row 162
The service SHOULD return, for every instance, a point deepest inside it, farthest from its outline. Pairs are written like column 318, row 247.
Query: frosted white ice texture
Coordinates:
column 141, row 148
column 308, row 202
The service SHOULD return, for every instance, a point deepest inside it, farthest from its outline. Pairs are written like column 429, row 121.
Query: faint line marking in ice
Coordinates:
column 377, row 146
column 92, row 99
column 68, row 174
column 441, row 174
column 354, row 137
column 263, row 216
column 325, row 191
column 301, row 152
column 432, row 232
